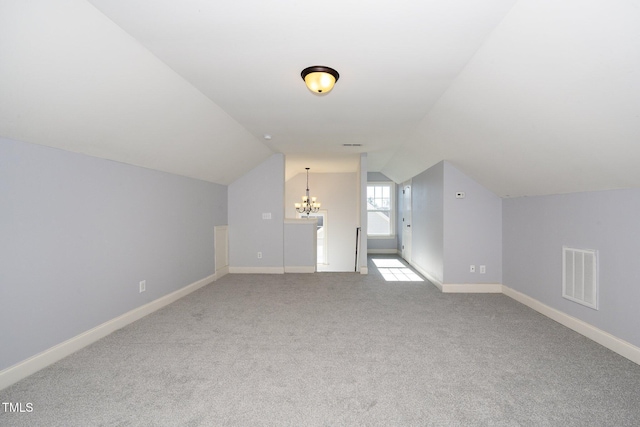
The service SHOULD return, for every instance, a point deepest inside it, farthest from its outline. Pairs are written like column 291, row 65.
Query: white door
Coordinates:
column 406, row 221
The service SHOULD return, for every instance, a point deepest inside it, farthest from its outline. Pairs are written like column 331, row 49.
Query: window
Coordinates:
column 380, row 212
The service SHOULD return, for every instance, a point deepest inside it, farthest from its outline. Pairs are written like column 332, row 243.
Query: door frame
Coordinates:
column 406, row 221
column 325, row 248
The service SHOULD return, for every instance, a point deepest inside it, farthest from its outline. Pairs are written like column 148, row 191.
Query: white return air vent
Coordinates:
column 580, row 276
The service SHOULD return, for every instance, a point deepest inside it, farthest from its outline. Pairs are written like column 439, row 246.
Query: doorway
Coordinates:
column 406, row 221
column 322, row 250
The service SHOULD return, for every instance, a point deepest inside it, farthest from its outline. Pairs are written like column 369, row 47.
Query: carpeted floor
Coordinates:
column 334, row 349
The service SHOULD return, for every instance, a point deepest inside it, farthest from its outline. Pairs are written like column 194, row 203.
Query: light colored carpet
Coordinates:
column 335, row 349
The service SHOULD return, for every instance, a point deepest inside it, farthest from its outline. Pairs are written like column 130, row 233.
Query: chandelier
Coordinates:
column 309, row 204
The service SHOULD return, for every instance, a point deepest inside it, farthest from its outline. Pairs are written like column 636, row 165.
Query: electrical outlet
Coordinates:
column 143, row 286
column 472, row 268
column 259, row 255
column 483, row 269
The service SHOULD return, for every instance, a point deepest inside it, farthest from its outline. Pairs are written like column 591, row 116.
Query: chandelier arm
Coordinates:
column 307, row 206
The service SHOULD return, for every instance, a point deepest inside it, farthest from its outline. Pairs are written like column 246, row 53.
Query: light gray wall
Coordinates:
column 449, row 234
column 377, row 177
column 78, row 233
column 300, row 243
column 259, row 191
column 390, row 244
column 472, row 230
column 338, row 193
column 427, row 221
column 536, row 228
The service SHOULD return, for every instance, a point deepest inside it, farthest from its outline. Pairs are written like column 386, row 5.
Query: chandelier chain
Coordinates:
column 309, row 204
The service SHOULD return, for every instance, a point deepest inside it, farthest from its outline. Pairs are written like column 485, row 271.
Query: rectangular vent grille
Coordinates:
column 580, row 276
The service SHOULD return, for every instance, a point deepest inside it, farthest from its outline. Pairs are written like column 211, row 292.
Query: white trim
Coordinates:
column 325, row 224
column 613, row 343
column 453, row 288
column 392, row 213
column 405, row 234
column 222, row 272
column 300, row 269
column 305, row 220
column 435, row 283
column 221, row 247
column 429, row 277
column 382, row 251
column 472, row 288
column 256, row 270
column 23, row 369
column 364, row 270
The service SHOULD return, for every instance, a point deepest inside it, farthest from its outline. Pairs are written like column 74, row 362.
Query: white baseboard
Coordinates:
column 300, row 269
column 382, row 251
column 429, row 277
column 435, row 283
column 613, row 343
column 256, row 270
column 223, row 271
column 35, row 363
column 472, row 288
column 462, row 288
column 364, row 270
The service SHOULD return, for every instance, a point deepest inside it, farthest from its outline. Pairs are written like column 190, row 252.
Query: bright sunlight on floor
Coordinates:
column 394, row 271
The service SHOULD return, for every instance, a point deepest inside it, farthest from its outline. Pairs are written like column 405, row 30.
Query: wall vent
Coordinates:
column 580, row 276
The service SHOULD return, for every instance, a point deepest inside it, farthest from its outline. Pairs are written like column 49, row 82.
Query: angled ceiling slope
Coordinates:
column 549, row 104
column 71, row 79
column 528, row 97
column 395, row 60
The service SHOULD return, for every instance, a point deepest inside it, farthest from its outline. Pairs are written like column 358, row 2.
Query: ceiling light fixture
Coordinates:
column 320, row 79
column 309, row 204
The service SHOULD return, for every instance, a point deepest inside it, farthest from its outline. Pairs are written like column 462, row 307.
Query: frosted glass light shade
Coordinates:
column 320, row 79
column 320, row 82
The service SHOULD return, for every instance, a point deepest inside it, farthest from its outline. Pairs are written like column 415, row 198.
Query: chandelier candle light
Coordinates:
column 309, row 204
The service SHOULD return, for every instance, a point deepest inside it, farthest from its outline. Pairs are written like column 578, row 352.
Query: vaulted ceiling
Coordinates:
column 528, row 97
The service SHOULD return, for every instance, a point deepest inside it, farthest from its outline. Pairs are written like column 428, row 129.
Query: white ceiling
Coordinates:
column 528, row 97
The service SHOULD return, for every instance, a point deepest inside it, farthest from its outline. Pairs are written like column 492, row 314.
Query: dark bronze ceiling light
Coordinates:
column 320, row 79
